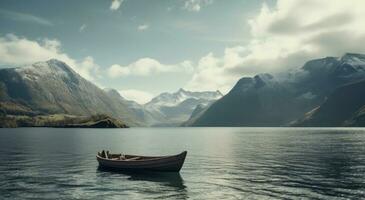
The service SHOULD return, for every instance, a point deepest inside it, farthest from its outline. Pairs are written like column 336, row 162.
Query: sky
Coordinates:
column 145, row 47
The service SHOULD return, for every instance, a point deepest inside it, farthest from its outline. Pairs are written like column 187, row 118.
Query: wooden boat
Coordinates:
column 141, row 163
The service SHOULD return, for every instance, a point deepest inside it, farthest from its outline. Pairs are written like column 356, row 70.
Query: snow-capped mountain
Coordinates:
column 53, row 87
column 51, row 69
column 264, row 100
column 174, row 108
column 353, row 59
column 173, row 99
column 167, row 109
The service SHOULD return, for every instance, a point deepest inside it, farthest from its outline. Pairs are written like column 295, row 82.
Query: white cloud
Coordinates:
column 139, row 96
column 143, row 27
column 148, row 66
column 87, row 68
column 17, row 16
column 115, row 4
column 82, row 27
column 212, row 72
column 15, row 50
column 284, row 37
column 295, row 31
column 196, row 5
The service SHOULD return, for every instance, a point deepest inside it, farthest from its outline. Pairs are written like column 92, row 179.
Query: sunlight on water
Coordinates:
column 222, row 163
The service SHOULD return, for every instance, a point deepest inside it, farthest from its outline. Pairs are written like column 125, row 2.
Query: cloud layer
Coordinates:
column 147, row 66
column 139, row 96
column 15, row 50
column 284, row 37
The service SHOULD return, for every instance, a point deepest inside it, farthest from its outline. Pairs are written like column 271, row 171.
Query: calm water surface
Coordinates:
column 222, row 163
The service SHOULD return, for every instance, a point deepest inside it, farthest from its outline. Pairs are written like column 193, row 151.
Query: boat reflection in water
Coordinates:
column 170, row 184
column 172, row 179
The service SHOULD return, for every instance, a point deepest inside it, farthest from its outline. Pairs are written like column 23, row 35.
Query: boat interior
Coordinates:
column 123, row 157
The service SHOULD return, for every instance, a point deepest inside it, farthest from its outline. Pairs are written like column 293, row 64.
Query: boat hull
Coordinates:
column 159, row 164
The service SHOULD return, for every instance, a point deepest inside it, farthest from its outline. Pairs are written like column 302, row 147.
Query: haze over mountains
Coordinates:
column 52, row 87
column 268, row 100
column 175, row 108
column 324, row 92
column 168, row 109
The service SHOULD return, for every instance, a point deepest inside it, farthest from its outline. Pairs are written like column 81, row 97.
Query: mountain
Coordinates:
column 344, row 107
column 167, row 109
column 197, row 113
column 268, row 100
column 140, row 113
column 52, row 87
column 256, row 101
column 172, row 109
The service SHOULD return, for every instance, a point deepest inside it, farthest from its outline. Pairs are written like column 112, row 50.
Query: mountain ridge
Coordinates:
column 173, row 109
column 342, row 108
column 53, row 87
column 263, row 100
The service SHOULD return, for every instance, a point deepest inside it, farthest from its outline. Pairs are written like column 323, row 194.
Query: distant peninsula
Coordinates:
column 61, row 121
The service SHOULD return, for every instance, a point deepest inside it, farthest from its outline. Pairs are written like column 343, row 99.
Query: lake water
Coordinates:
column 222, row 163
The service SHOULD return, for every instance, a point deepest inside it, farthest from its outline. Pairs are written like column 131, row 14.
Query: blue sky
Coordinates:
column 145, row 47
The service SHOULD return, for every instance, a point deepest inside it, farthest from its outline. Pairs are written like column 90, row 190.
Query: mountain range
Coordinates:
column 172, row 109
column 53, row 87
column 323, row 92
column 168, row 109
column 290, row 98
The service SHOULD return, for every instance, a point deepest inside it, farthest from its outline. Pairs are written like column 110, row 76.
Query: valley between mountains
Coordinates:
column 323, row 92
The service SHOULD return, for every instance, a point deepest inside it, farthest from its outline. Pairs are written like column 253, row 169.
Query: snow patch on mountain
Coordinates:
column 51, row 69
column 175, row 108
column 353, row 59
column 174, row 99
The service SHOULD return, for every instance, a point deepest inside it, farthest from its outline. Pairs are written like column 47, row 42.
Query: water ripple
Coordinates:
column 224, row 163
